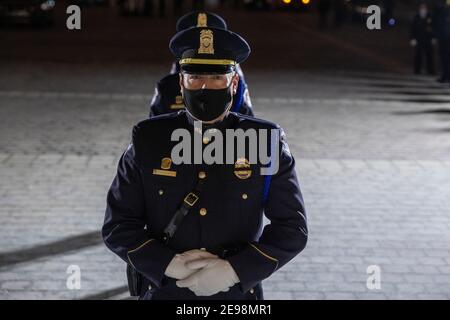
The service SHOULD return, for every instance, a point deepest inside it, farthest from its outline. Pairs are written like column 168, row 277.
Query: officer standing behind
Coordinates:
column 323, row 6
column 167, row 97
column 212, row 244
column 442, row 27
column 422, row 39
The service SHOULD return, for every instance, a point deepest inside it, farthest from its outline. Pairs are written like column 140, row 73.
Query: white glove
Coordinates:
column 215, row 275
column 177, row 268
column 413, row 42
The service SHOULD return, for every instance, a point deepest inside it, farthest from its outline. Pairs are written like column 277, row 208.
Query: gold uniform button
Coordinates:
column 244, row 196
column 202, row 175
column 252, row 291
column 160, row 192
column 203, row 212
column 206, row 140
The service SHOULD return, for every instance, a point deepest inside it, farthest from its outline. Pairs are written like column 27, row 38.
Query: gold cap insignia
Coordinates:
column 242, row 168
column 202, row 20
column 206, row 42
column 166, row 163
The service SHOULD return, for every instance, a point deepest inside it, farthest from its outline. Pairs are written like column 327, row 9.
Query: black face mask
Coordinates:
column 207, row 104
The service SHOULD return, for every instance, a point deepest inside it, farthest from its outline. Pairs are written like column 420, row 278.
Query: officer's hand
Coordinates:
column 177, row 268
column 215, row 275
column 413, row 42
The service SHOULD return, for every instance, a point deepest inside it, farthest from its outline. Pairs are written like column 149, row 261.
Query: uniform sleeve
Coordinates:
column 244, row 104
column 284, row 237
column 155, row 104
column 124, row 226
column 247, row 108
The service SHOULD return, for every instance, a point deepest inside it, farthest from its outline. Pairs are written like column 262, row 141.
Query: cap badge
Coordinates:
column 206, row 42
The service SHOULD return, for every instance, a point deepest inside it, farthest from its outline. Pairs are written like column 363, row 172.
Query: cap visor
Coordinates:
column 207, row 68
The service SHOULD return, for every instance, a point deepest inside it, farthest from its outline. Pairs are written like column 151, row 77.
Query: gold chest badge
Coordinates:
column 178, row 103
column 202, row 20
column 242, row 168
column 166, row 163
column 206, row 42
column 178, row 99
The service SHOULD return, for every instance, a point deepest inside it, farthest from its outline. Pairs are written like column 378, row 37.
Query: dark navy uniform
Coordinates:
column 222, row 203
column 229, row 212
column 167, row 97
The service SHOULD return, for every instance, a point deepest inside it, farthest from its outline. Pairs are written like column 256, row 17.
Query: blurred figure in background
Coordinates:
column 177, row 7
column 339, row 12
column 198, row 4
column 323, row 6
column 442, row 31
column 136, row 7
column 422, row 39
column 389, row 6
column 162, row 8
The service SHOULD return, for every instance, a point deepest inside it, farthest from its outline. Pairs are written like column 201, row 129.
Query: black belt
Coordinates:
column 188, row 202
column 225, row 251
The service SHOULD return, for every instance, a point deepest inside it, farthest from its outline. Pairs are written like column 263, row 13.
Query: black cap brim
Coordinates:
column 207, row 68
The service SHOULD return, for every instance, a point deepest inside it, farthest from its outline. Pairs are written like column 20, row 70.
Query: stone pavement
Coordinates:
column 373, row 157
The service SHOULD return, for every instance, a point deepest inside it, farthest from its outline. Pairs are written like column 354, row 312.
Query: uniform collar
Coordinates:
column 228, row 122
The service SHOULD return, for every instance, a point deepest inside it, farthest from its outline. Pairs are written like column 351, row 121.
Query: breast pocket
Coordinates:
column 162, row 196
column 243, row 202
column 249, row 196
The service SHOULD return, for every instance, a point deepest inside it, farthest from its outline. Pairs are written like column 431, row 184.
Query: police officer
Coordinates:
column 167, row 97
column 442, row 27
column 422, row 39
column 217, row 248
